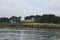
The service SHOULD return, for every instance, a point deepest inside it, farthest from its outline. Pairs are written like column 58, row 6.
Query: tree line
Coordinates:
column 46, row 18
column 11, row 19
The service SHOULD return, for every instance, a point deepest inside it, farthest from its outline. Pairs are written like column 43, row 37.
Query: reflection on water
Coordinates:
column 10, row 34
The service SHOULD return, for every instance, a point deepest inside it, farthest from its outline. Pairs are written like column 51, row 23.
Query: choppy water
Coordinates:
column 9, row 34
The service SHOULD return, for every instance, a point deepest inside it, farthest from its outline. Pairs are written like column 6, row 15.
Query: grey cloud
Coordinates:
column 23, row 7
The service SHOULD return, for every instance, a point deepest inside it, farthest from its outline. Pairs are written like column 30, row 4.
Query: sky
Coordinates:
column 24, row 8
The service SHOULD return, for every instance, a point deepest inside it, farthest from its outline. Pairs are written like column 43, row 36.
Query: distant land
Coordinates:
column 32, row 22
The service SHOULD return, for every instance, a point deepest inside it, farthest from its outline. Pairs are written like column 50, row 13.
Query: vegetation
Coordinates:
column 46, row 18
column 30, row 25
column 46, row 21
column 12, row 19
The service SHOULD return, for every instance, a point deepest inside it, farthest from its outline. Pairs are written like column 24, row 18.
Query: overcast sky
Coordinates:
column 29, row 7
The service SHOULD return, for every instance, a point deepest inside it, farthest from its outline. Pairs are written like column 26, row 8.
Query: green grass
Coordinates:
column 49, row 24
column 32, row 25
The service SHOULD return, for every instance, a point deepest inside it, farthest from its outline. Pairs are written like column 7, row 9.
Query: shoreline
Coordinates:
column 26, row 28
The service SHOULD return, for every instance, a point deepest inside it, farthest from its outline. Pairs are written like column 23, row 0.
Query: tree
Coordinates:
column 18, row 19
column 15, row 19
column 4, row 19
column 37, row 18
column 47, row 18
column 29, row 17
